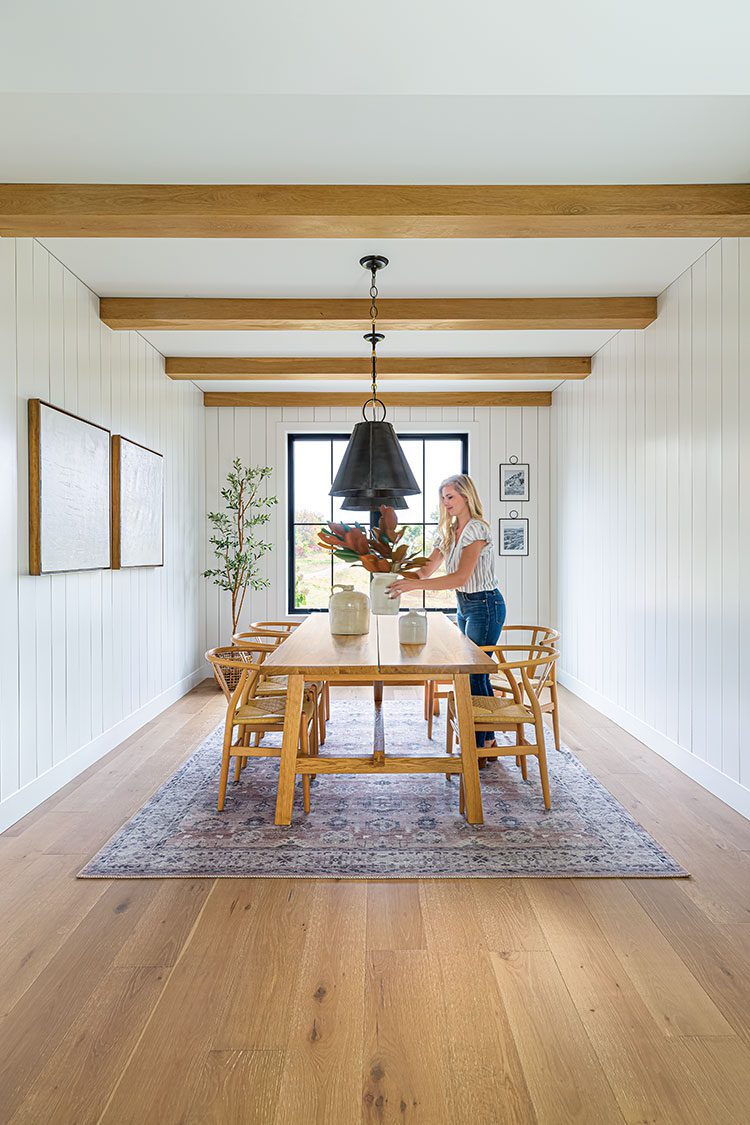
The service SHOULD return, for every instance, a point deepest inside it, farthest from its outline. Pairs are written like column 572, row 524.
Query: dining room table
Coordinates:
column 313, row 654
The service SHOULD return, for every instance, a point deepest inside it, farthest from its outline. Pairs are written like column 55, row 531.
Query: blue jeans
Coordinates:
column 481, row 617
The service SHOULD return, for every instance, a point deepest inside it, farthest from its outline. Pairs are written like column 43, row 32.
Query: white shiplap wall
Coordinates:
column 88, row 656
column 257, row 436
column 653, row 525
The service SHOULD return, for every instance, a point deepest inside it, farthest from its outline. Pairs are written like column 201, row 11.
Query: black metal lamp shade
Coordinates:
column 374, row 462
column 371, row 501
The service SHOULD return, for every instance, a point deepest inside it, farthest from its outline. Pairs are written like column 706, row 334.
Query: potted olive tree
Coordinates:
column 235, row 542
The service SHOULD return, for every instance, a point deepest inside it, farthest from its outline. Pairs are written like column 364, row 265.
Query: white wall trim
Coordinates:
column 712, row 779
column 24, row 800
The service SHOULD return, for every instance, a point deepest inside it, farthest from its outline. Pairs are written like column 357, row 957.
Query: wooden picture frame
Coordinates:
column 514, row 482
column 513, row 536
column 69, row 496
column 137, row 505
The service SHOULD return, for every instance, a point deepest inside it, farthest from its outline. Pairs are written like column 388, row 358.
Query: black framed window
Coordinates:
column 312, row 463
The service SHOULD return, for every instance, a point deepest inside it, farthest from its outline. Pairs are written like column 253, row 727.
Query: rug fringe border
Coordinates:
column 682, row 874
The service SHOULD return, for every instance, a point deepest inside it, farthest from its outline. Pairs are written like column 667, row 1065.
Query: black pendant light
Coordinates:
column 367, row 501
column 374, row 469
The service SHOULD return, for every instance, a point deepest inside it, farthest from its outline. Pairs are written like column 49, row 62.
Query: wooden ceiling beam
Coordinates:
column 203, row 314
column 389, row 367
column 374, row 211
column 391, row 398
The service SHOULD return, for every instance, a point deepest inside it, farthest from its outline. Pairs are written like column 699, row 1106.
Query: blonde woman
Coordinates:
column 464, row 544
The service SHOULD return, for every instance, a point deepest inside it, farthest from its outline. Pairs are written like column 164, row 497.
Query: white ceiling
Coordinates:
column 401, row 343
column 214, row 138
column 284, row 267
column 335, row 46
column 418, row 268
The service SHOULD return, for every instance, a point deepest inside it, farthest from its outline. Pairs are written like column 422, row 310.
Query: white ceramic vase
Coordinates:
column 348, row 611
column 381, row 603
column 412, row 627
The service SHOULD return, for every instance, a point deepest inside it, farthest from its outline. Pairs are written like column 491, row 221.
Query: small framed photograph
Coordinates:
column 514, row 536
column 514, row 482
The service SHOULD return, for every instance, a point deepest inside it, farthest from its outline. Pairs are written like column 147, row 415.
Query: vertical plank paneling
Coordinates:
column 9, row 520
column 744, row 496
column 731, row 634
column 714, row 530
column 58, row 670
column 652, row 452
column 28, row 592
column 40, row 678
column 85, row 649
column 699, row 504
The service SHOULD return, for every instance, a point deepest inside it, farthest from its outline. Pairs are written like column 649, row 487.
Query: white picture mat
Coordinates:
column 141, row 506
column 75, row 512
column 514, row 482
column 514, row 536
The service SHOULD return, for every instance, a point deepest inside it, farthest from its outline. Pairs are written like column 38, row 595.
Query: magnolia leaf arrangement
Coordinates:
column 379, row 550
column 235, row 545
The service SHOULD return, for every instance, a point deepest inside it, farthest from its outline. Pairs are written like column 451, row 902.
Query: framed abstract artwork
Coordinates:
column 514, row 536
column 69, row 497
column 514, row 482
column 137, row 504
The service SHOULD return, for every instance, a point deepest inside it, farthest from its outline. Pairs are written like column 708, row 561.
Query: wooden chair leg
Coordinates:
column 542, row 755
column 524, row 768
column 430, row 701
column 237, row 768
column 224, row 775
column 461, row 796
column 435, row 699
column 327, row 693
column 305, row 740
column 321, row 718
column 555, row 715
column 426, row 699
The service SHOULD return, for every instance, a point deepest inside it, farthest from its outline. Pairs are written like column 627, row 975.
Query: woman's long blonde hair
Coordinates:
column 465, row 486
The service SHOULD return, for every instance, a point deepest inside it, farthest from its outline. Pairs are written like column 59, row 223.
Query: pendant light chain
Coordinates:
column 373, row 318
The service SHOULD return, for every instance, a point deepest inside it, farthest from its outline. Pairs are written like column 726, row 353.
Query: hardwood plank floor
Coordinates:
column 274, row 1001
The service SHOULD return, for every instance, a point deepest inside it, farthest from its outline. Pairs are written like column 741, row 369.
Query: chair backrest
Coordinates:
column 532, row 635
column 234, row 671
column 273, row 631
column 527, row 669
column 256, row 640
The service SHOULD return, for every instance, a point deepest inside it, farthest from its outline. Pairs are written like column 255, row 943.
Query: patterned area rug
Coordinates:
column 389, row 827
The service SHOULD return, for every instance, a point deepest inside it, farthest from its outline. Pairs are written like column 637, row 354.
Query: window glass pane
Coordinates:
column 414, row 538
column 413, row 450
column 442, row 459
column 430, row 532
column 312, row 481
column 351, row 575
column 312, row 570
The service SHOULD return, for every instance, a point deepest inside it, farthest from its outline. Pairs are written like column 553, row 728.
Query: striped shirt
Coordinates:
column 483, row 577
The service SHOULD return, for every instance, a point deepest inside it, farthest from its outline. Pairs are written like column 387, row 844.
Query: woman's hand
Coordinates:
column 403, row 586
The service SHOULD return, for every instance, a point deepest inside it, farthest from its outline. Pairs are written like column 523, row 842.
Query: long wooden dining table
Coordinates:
column 311, row 654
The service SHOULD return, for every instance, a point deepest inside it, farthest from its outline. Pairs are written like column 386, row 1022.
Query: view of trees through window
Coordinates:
column 313, row 462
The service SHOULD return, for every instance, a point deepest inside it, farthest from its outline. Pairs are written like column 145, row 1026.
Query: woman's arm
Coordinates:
column 469, row 558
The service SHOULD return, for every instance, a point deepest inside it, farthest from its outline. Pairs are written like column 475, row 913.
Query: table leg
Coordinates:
column 472, row 789
column 289, row 746
column 378, row 738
